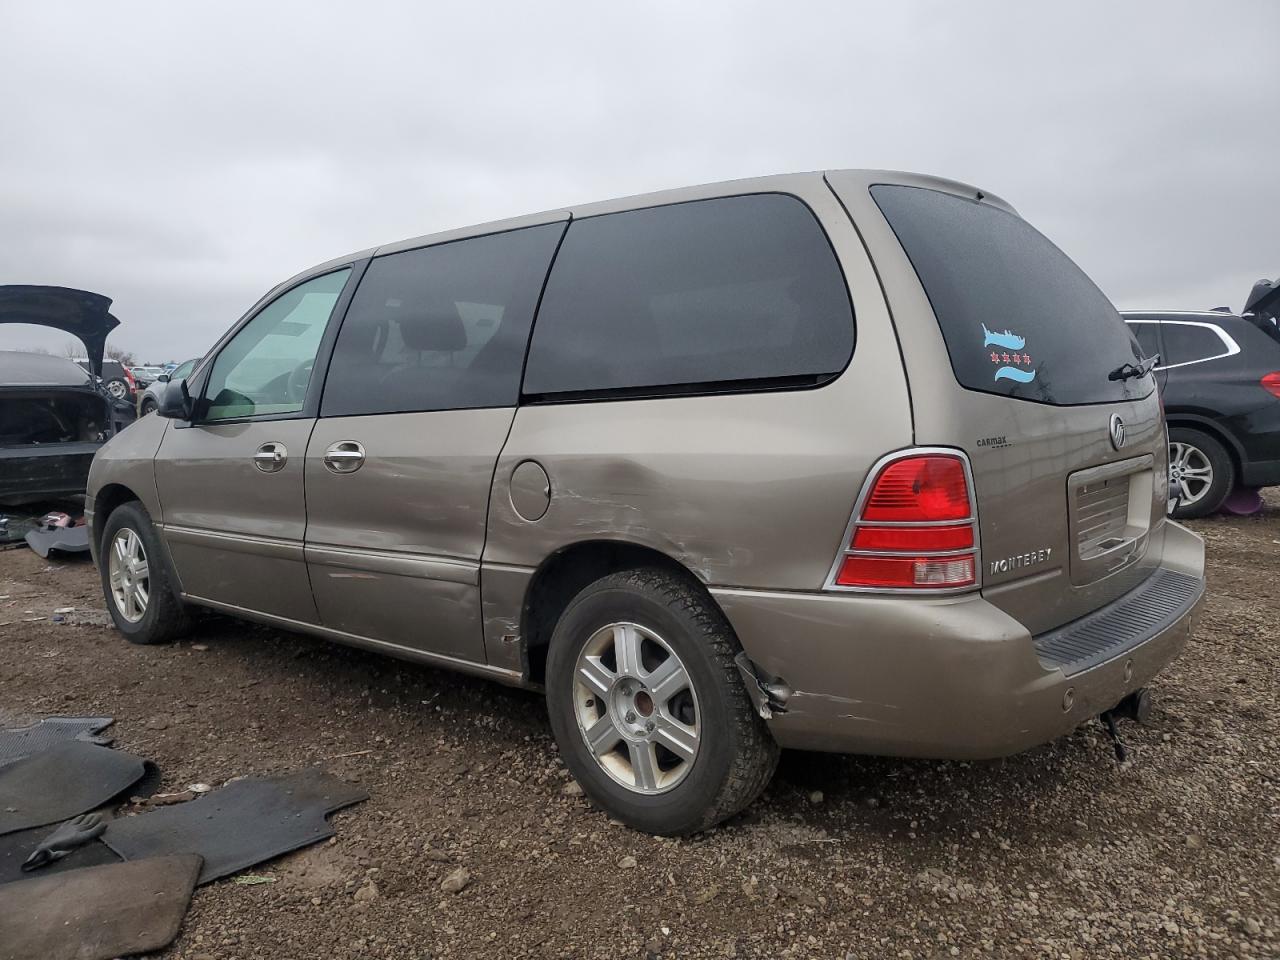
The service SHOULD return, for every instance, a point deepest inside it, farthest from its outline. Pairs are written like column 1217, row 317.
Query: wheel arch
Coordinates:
column 565, row 572
column 1193, row 421
column 110, row 497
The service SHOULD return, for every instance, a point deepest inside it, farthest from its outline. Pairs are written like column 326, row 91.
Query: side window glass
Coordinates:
column 1148, row 337
column 685, row 297
column 441, row 327
column 1189, row 343
column 266, row 367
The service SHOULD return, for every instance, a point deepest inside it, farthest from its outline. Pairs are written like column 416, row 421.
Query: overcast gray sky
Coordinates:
column 184, row 157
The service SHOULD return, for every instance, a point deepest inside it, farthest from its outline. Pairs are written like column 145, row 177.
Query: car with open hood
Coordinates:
column 54, row 414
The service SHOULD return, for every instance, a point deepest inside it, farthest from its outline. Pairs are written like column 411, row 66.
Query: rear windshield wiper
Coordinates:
column 1135, row 370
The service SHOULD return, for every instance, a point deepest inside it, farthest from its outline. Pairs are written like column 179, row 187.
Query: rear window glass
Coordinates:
column 1019, row 318
column 731, row 293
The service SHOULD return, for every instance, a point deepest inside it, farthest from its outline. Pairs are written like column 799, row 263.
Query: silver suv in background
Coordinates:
column 150, row 398
column 855, row 461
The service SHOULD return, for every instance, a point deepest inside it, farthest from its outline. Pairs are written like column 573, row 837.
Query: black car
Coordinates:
column 1219, row 375
column 54, row 414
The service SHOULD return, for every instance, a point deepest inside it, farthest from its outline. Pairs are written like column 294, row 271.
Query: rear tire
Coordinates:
column 148, row 406
column 136, row 582
column 1201, row 470
column 680, row 682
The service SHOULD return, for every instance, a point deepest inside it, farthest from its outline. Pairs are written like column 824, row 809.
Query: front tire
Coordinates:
column 139, row 590
column 649, row 708
column 1201, row 472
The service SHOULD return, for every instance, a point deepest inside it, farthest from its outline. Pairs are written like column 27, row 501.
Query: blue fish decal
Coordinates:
column 1007, row 340
column 1013, row 373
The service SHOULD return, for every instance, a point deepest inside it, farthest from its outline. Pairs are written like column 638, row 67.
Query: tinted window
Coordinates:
column 1018, row 317
column 266, row 367
column 1190, row 342
column 440, row 328
column 740, row 289
column 1148, row 336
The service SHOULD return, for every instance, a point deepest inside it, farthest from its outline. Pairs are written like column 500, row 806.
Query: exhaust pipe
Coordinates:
column 1136, row 706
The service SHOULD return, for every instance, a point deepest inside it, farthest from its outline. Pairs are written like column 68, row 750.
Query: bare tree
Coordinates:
column 124, row 356
column 73, row 349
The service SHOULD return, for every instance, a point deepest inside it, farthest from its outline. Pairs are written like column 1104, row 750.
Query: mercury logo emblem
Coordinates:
column 1117, row 431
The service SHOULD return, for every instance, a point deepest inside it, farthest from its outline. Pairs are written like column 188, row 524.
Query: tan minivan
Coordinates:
column 855, row 461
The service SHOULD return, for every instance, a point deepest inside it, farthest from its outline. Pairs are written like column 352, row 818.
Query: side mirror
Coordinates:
column 162, row 378
column 174, row 401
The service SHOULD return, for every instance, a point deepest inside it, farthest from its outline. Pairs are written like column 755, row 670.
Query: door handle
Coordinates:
column 271, row 457
column 345, row 456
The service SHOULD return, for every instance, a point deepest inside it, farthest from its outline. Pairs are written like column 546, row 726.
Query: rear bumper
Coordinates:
column 957, row 677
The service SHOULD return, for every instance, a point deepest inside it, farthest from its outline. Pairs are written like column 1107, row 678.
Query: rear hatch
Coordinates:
column 1018, row 359
column 82, row 314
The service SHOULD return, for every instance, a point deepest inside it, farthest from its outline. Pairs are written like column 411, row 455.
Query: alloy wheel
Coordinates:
column 636, row 708
column 129, row 574
column 1190, row 473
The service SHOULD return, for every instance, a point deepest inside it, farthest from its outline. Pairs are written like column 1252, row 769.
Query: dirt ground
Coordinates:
column 1056, row 853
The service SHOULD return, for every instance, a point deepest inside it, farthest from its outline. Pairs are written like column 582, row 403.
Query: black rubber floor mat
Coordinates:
column 97, row 913
column 243, row 823
column 22, row 742
column 17, row 846
column 67, row 779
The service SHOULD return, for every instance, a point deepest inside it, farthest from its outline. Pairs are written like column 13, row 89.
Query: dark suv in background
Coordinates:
column 1219, row 375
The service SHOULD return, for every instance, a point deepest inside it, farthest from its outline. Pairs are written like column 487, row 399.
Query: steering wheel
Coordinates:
column 296, row 386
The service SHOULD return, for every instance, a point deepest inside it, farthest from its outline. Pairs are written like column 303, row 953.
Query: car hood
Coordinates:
column 80, row 313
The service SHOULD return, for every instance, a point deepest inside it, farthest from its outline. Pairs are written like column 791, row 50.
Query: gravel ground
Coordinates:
column 1057, row 853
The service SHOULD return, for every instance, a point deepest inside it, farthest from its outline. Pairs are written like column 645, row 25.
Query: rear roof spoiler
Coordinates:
column 80, row 313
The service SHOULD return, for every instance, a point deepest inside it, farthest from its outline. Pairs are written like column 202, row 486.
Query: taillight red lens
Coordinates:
column 924, row 488
column 959, row 537
column 1271, row 383
column 907, row 536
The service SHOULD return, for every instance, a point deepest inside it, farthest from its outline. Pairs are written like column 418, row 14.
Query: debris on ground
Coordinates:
column 1073, row 857
column 457, row 881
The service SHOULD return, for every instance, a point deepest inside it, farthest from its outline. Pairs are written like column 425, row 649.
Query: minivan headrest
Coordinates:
column 434, row 329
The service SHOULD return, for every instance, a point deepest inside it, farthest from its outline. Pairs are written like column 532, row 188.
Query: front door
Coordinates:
column 417, row 404
column 231, row 481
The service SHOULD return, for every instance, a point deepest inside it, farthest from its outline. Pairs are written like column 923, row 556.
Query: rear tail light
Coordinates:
column 1271, row 383
column 915, row 528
